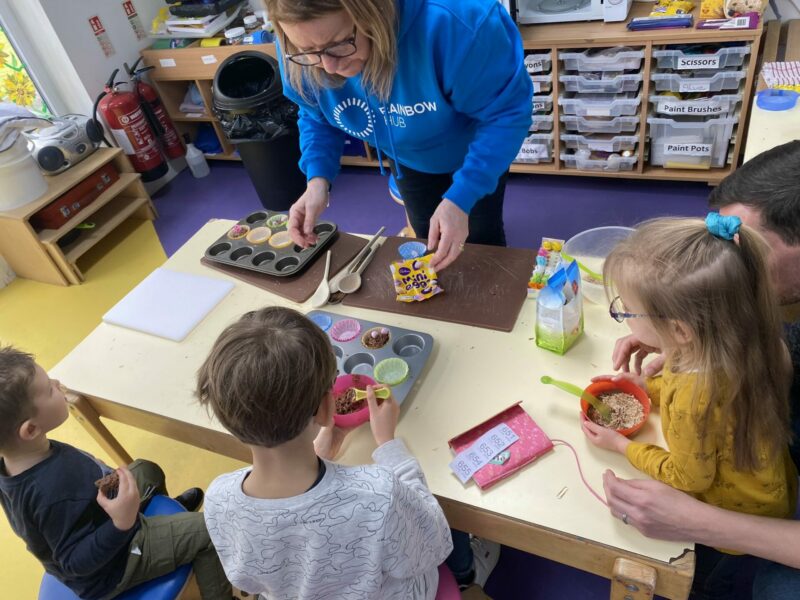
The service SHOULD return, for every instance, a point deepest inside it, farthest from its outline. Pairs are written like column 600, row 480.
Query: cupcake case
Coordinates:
column 413, row 347
column 264, row 258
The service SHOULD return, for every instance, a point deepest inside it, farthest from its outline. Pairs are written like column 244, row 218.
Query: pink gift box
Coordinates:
column 532, row 443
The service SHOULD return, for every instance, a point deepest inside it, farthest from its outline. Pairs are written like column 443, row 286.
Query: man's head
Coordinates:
column 267, row 375
column 31, row 404
column 765, row 194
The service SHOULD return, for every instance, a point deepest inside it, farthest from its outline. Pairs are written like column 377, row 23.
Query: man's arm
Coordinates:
column 661, row 512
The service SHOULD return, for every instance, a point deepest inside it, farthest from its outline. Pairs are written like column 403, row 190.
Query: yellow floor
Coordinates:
column 49, row 321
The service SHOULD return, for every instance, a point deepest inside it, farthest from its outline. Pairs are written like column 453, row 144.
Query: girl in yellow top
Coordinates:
column 701, row 293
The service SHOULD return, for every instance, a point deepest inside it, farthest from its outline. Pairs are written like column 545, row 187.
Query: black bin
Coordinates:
column 261, row 122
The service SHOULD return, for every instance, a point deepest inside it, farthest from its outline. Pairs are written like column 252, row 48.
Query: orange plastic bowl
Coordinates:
column 623, row 385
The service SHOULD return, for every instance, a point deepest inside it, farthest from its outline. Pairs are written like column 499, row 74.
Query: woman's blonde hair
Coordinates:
column 720, row 290
column 375, row 19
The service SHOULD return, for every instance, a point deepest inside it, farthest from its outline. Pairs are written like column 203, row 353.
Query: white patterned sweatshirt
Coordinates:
column 362, row 533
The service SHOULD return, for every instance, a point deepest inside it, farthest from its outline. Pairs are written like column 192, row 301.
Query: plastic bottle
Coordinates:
column 234, row 37
column 196, row 160
column 251, row 24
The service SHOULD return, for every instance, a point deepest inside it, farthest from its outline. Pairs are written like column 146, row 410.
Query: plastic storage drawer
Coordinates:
column 536, row 148
column 732, row 56
column 600, row 105
column 614, row 125
column 706, row 82
column 542, row 105
column 541, row 123
column 723, row 105
column 625, row 60
column 538, row 63
column 542, row 83
column 690, row 144
column 600, row 142
column 612, row 85
column 612, row 163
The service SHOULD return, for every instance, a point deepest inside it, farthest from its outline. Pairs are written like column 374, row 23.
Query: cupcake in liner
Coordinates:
column 238, row 231
column 376, row 338
column 277, row 221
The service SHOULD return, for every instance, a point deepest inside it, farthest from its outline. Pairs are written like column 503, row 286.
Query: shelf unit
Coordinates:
column 175, row 69
column 39, row 255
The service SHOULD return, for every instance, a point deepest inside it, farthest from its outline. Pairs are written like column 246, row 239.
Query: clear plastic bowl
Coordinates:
column 590, row 248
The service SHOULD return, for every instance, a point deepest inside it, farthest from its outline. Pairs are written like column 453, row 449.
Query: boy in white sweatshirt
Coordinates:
column 294, row 525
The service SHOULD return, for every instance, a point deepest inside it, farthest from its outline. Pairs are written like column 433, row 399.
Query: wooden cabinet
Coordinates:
column 174, row 70
column 43, row 255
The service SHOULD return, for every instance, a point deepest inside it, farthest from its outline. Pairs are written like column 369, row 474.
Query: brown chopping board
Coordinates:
column 485, row 287
column 298, row 288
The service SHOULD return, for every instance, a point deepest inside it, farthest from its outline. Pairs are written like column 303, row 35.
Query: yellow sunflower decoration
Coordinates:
column 15, row 84
column 18, row 88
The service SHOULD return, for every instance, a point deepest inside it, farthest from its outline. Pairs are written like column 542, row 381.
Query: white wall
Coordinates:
column 70, row 22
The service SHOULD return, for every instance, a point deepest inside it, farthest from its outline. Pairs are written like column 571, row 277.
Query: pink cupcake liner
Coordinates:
column 345, row 330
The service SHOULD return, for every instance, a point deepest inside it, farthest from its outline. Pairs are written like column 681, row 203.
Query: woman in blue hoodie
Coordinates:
column 439, row 86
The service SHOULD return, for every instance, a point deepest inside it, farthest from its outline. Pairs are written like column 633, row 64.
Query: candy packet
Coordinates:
column 415, row 280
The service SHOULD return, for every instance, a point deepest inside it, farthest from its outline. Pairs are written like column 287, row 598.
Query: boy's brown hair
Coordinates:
column 17, row 370
column 267, row 375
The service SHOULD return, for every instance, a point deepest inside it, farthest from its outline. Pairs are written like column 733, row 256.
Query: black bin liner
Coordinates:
column 255, row 116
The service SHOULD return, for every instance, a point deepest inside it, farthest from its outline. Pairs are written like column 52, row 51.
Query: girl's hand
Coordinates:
column 382, row 417
column 304, row 213
column 603, row 437
column 629, row 347
column 633, row 378
column 448, row 232
column 124, row 507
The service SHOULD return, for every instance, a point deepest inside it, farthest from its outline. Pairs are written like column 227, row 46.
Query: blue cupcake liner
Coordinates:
column 412, row 250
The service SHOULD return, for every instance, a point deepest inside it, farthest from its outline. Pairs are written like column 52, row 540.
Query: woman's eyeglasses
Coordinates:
column 620, row 315
column 338, row 50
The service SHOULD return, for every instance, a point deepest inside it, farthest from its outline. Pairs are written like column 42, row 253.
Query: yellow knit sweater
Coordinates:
column 701, row 462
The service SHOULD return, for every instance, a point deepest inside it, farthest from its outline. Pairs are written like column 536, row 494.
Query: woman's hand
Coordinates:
column 603, row 437
column 304, row 213
column 448, row 232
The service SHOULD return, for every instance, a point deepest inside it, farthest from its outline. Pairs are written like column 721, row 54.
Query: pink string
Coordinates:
column 580, row 471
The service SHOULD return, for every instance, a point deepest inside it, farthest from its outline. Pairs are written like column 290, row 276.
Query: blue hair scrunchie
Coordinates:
column 723, row 227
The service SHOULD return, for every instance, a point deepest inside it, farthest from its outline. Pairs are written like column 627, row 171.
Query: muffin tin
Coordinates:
column 264, row 258
column 352, row 357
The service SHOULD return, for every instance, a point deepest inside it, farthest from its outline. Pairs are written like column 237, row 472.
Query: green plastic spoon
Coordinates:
column 593, row 274
column 382, row 393
column 603, row 409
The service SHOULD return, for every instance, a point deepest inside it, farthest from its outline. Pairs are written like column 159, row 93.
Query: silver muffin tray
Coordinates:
column 353, row 357
column 264, row 258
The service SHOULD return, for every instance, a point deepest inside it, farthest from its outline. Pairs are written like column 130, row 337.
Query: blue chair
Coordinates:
column 166, row 587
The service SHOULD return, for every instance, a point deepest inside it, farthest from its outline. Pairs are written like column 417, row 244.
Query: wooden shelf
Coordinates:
column 186, row 119
column 199, row 65
column 38, row 256
column 47, row 236
column 58, row 184
column 106, row 219
column 598, row 33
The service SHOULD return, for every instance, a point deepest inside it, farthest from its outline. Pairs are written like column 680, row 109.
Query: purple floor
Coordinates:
column 535, row 206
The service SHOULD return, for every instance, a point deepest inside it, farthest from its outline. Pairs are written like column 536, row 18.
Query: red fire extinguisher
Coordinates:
column 156, row 113
column 130, row 127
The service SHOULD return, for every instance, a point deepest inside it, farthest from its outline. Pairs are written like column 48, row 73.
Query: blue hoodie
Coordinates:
column 460, row 103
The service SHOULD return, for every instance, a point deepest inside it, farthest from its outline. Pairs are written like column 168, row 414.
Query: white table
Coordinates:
column 472, row 374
